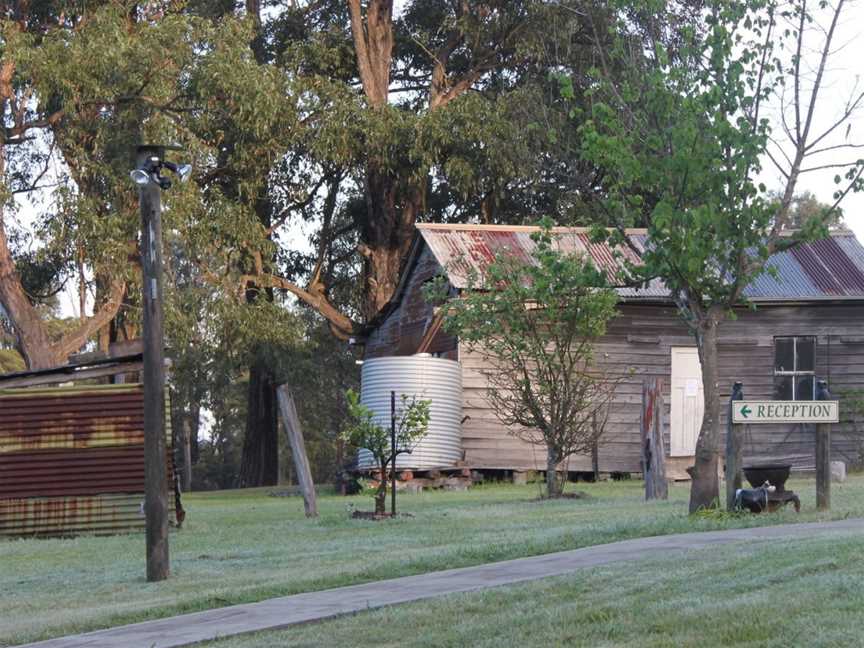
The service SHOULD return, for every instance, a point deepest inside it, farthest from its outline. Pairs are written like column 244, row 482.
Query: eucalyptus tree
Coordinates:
column 71, row 116
column 342, row 120
column 357, row 122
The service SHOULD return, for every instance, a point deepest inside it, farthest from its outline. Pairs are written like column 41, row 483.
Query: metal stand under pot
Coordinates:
column 776, row 475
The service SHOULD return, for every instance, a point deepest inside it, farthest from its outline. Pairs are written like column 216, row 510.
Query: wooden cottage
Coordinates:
column 804, row 321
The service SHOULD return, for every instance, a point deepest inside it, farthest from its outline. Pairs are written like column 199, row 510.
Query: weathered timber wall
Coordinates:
column 641, row 337
column 404, row 327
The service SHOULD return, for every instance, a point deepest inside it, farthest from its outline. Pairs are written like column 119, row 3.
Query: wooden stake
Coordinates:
column 392, row 453
column 733, row 449
column 823, row 454
column 298, row 449
column 155, row 473
column 653, row 448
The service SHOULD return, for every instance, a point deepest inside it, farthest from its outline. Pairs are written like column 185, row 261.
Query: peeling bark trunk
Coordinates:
column 386, row 234
column 187, row 453
column 705, row 488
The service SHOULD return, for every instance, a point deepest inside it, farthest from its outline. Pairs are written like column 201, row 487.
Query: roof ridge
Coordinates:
column 515, row 228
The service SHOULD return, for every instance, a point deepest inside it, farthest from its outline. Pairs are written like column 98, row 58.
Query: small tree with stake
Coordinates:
column 535, row 324
column 411, row 424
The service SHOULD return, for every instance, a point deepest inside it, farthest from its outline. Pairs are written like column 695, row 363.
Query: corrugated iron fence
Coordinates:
column 72, row 460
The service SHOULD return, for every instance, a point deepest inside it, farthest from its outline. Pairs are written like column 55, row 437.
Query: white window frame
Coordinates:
column 796, row 373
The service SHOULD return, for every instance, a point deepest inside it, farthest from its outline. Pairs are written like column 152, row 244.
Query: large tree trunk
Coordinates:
column 386, row 233
column 260, row 463
column 553, row 484
column 187, row 453
column 195, row 418
column 705, row 488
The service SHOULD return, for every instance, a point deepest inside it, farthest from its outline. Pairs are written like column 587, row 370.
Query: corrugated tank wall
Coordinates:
column 72, row 460
column 436, row 379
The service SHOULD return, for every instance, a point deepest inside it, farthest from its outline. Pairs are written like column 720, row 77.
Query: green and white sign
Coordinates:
column 785, row 412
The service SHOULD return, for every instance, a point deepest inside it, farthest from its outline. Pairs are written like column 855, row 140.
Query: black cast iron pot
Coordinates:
column 775, row 474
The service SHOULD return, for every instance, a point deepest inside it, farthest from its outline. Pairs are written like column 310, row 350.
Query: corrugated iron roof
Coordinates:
column 832, row 268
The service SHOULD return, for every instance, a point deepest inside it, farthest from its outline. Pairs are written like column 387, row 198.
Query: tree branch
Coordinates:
column 342, row 326
column 74, row 340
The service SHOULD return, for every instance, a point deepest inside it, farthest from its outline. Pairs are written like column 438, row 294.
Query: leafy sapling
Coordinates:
column 364, row 431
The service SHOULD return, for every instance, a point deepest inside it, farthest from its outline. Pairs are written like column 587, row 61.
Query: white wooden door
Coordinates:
column 687, row 402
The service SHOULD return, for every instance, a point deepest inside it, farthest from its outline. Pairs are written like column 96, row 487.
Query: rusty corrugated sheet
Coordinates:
column 832, row 268
column 72, row 460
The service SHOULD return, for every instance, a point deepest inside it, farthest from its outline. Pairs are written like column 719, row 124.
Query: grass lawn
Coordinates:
column 795, row 593
column 242, row 546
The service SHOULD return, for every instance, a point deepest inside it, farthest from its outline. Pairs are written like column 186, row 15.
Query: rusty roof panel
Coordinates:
column 72, row 460
column 832, row 268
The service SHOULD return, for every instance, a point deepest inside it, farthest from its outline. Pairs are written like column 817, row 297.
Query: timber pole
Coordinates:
column 392, row 453
column 155, row 470
column 291, row 421
column 733, row 449
column 823, row 454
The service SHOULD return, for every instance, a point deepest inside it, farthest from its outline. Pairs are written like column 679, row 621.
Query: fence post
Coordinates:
column 392, row 453
column 733, row 449
column 653, row 448
column 298, row 449
column 823, row 454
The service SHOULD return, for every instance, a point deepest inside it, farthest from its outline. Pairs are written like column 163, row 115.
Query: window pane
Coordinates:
column 784, row 354
column 783, row 388
column 804, row 388
column 806, row 354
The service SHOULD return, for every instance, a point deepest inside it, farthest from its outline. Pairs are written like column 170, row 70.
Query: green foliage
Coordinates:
column 272, row 120
column 683, row 140
column 682, row 133
column 11, row 361
column 364, row 431
column 536, row 322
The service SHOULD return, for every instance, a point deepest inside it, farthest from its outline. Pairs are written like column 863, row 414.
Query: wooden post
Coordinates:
column 595, row 449
column 653, row 448
column 733, row 449
column 298, row 449
column 392, row 453
column 155, row 473
column 823, row 454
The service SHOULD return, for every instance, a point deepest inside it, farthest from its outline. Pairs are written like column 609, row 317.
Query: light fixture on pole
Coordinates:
column 149, row 169
column 150, row 181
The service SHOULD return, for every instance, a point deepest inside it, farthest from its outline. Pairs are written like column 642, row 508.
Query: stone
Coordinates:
column 838, row 471
column 520, row 478
column 456, row 484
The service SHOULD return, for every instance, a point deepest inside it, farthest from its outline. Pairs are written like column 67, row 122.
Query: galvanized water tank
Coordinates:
column 436, row 379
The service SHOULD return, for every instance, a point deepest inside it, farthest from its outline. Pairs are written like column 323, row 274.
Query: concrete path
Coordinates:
column 299, row 608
